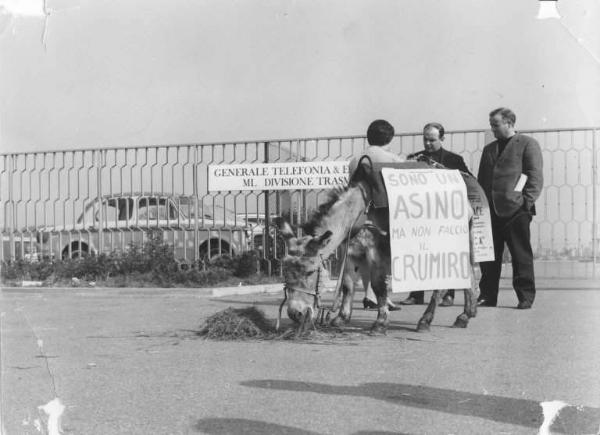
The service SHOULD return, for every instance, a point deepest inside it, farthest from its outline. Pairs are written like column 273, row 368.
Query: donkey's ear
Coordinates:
column 286, row 230
column 318, row 243
column 323, row 239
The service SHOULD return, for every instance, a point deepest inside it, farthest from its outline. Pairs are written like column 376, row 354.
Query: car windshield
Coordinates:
column 117, row 209
column 112, row 210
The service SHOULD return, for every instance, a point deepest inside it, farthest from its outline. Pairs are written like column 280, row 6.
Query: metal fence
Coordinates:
column 66, row 203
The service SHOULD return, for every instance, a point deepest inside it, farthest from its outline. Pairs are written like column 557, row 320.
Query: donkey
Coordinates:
column 330, row 226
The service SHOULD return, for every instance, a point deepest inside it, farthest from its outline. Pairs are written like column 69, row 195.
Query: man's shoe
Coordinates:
column 524, row 305
column 393, row 307
column 483, row 302
column 448, row 301
column 410, row 301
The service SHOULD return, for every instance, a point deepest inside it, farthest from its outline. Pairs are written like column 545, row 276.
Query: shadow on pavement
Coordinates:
column 242, row 425
column 379, row 432
column 509, row 410
column 216, row 426
column 394, row 325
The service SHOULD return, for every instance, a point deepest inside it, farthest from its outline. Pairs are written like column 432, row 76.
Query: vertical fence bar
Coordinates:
column 266, row 231
column 594, row 203
column 99, row 165
column 2, row 205
column 196, row 205
column 10, row 217
column 18, row 206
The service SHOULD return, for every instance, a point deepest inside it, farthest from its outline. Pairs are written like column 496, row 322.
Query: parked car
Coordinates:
column 114, row 222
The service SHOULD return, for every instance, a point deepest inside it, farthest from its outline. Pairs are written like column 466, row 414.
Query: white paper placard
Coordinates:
column 429, row 229
column 278, row 176
column 482, row 240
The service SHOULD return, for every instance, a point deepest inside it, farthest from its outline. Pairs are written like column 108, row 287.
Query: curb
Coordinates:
column 246, row 290
column 328, row 286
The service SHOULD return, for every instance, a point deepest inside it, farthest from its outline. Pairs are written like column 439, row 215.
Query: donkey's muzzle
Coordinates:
column 299, row 311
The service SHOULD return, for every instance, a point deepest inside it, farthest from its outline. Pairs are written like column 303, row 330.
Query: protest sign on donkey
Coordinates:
column 429, row 229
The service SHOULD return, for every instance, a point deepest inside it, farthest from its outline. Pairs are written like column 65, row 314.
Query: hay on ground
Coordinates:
column 237, row 324
column 251, row 323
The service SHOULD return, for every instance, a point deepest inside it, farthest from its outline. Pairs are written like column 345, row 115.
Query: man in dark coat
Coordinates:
column 433, row 136
column 510, row 173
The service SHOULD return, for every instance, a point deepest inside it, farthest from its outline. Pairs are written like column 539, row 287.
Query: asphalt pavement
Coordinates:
column 128, row 361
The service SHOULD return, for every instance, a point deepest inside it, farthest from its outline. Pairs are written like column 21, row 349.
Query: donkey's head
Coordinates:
column 302, row 272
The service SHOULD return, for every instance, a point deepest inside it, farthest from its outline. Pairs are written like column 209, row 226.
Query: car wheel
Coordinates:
column 77, row 251
column 217, row 253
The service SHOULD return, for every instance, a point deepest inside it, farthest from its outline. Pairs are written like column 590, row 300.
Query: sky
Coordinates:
column 104, row 73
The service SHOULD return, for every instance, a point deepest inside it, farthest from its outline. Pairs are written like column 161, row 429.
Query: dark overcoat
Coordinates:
column 498, row 175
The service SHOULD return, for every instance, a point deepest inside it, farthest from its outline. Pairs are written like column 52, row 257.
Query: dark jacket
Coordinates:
column 447, row 158
column 499, row 175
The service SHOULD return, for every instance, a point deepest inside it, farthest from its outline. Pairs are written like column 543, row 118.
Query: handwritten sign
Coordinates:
column 429, row 229
column 278, row 176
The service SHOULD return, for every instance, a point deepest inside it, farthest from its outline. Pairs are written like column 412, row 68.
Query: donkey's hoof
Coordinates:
column 460, row 322
column 333, row 316
column 378, row 328
column 336, row 321
column 423, row 327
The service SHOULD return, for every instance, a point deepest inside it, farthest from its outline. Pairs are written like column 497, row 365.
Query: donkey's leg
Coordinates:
column 338, row 296
column 338, row 317
column 359, row 271
column 472, row 295
column 470, row 307
column 285, row 296
column 462, row 321
column 364, row 274
column 345, row 312
column 342, row 310
column 425, row 321
column 338, row 293
column 388, row 284
column 379, row 285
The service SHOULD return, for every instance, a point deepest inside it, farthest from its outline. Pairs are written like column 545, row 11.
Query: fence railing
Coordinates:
column 66, row 203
